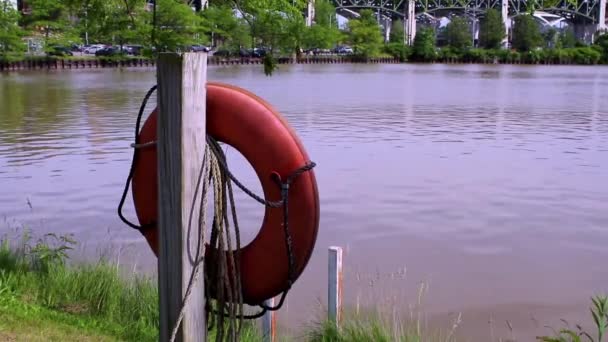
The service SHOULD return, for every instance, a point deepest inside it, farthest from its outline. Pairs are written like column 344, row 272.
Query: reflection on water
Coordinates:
column 489, row 182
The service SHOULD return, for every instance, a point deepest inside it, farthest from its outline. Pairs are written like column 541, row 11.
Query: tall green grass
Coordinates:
column 36, row 275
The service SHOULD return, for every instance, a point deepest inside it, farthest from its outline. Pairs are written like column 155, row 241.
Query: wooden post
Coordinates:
column 334, row 301
column 181, row 145
column 269, row 323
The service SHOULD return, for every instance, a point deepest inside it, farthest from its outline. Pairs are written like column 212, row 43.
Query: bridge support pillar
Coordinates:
column 504, row 7
column 310, row 13
column 388, row 24
column 585, row 32
column 601, row 25
column 410, row 22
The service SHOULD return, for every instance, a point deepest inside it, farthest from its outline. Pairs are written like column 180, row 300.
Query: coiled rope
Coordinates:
column 215, row 172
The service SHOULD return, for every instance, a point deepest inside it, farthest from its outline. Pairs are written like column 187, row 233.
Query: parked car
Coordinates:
column 344, row 50
column 92, row 49
column 199, row 48
column 134, row 50
column 58, row 50
column 109, row 51
column 317, row 51
column 258, row 52
column 222, row 53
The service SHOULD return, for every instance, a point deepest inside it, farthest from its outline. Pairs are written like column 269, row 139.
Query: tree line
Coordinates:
column 279, row 27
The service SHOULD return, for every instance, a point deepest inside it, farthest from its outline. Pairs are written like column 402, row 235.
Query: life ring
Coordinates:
column 250, row 125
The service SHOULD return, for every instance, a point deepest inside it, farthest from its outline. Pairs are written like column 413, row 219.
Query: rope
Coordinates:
column 203, row 174
column 229, row 299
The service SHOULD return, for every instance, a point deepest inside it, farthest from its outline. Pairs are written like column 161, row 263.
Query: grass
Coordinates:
column 34, row 278
column 599, row 313
column 43, row 298
column 373, row 329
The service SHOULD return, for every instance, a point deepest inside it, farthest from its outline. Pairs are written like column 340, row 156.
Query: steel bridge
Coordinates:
column 588, row 16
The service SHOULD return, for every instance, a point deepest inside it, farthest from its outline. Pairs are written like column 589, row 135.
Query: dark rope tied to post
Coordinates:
column 226, row 312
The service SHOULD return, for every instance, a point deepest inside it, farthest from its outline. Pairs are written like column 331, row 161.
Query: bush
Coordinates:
column 448, row 54
column 398, row 50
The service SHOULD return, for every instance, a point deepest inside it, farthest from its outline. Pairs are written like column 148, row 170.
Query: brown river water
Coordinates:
column 487, row 184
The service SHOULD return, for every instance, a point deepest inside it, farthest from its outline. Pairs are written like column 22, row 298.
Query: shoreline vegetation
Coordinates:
column 44, row 296
column 273, row 33
column 569, row 56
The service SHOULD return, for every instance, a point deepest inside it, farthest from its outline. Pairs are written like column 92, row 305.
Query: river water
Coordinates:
column 487, row 184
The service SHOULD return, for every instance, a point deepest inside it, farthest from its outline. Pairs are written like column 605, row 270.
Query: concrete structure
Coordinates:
column 310, row 12
column 585, row 16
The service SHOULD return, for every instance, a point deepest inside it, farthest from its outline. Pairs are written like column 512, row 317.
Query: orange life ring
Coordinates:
column 250, row 125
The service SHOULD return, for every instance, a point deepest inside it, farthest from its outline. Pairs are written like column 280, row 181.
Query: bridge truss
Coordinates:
column 587, row 11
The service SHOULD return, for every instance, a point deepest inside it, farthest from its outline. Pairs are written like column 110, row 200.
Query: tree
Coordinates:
column 325, row 14
column 177, row 25
column 49, row 17
column 567, row 39
column 526, row 34
column 550, row 37
column 458, row 34
column 365, row 34
column 397, row 34
column 294, row 35
column 492, row 30
column 10, row 32
column 423, row 49
column 125, row 22
column 321, row 37
column 602, row 43
column 324, row 33
column 225, row 28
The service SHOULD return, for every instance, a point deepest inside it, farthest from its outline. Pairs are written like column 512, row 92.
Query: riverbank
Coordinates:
column 51, row 63
column 571, row 56
column 43, row 297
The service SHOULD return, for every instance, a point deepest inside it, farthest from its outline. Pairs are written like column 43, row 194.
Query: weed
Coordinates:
column 599, row 312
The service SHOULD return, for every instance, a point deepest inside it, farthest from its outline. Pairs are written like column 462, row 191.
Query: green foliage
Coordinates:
column 39, row 273
column 10, row 32
column 50, row 18
column 567, row 39
column 325, row 14
column 599, row 313
column 397, row 34
column 365, row 35
column 492, row 30
column 322, row 37
column 526, row 34
column 294, row 35
column 92, row 298
column 177, row 25
column 378, row 329
column 275, row 24
column 269, row 27
column 424, row 45
column 225, row 28
column 550, row 36
column 601, row 42
column 324, row 34
column 398, row 50
column 458, row 34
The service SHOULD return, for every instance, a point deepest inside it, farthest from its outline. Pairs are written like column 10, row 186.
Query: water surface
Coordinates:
column 487, row 183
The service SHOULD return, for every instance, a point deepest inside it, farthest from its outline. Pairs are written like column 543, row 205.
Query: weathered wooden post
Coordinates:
column 181, row 145
column 334, row 293
column 269, row 323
